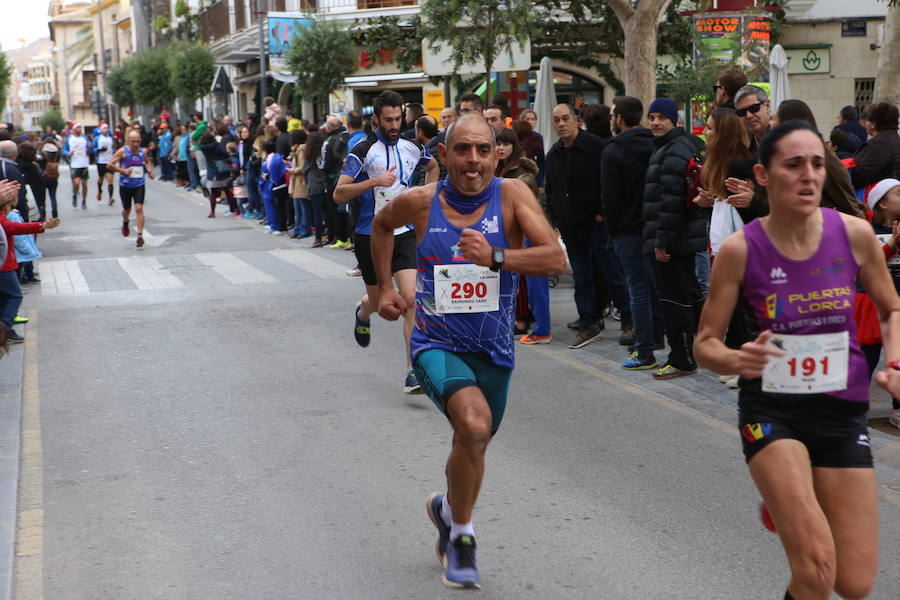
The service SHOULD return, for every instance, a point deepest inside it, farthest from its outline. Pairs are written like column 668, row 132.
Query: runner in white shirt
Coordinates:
column 76, row 150
column 103, row 145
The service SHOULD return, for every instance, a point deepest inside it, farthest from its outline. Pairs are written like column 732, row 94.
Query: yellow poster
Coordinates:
column 434, row 103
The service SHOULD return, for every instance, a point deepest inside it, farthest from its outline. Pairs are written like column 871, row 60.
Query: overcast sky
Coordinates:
column 28, row 20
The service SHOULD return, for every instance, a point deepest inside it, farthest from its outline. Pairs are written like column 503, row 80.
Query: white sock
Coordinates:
column 458, row 529
column 446, row 513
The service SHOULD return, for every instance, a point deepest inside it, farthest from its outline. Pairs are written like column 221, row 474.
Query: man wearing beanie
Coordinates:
column 673, row 234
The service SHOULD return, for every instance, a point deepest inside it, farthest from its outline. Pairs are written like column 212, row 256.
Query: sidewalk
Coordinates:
column 11, row 374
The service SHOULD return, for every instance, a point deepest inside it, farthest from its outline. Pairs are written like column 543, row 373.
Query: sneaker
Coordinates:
column 74, row 201
column 636, row 363
column 460, row 569
column 19, row 320
column 228, row 213
column 667, row 371
column 433, row 507
column 627, row 337
column 14, row 337
column 587, row 335
column 277, row 233
column 140, row 241
column 533, row 338
column 99, row 196
column 362, row 331
column 725, row 378
column 125, row 229
column 339, row 244
column 411, row 385
column 894, row 419
column 111, row 201
column 734, row 382
column 576, row 325
column 357, row 272
column 84, row 204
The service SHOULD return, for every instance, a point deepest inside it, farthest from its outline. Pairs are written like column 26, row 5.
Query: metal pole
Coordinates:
column 262, row 52
column 101, row 81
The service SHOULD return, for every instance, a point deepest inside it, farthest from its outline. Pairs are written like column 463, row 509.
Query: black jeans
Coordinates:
column 51, row 191
column 681, row 303
column 282, row 199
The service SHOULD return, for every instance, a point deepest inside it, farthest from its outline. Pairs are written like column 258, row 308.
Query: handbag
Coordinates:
column 725, row 220
column 222, row 168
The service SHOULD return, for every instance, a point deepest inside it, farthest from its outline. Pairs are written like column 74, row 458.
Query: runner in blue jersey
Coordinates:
column 470, row 230
column 804, row 381
column 135, row 167
column 376, row 170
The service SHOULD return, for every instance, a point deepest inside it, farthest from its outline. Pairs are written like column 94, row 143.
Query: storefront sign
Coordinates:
column 855, row 28
column 434, row 103
column 808, row 61
column 734, row 38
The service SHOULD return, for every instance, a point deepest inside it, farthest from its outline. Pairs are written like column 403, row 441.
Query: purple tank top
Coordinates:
column 804, row 297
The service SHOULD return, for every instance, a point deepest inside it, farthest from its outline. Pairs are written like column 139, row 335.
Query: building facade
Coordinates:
column 31, row 84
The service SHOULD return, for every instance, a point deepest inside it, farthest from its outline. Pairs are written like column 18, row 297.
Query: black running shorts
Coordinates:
column 131, row 194
column 404, row 255
column 834, row 431
column 101, row 170
column 80, row 173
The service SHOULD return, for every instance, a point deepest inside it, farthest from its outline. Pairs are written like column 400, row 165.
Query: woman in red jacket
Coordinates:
column 10, row 291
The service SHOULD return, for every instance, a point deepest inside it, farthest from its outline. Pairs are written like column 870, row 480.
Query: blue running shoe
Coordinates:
column 460, row 569
column 433, row 506
column 636, row 363
column 411, row 384
column 362, row 331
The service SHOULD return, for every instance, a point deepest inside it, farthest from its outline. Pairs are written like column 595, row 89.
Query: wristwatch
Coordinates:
column 497, row 258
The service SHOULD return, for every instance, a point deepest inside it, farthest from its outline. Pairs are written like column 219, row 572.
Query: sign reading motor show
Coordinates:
column 733, row 38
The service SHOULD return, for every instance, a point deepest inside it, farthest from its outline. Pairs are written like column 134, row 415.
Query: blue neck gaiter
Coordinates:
column 467, row 204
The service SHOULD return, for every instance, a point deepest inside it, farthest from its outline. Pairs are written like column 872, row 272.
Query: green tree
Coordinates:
column 151, row 80
column 5, row 79
column 386, row 38
column 118, row 83
column 478, row 32
column 52, row 118
column 321, row 57
column 193, row 68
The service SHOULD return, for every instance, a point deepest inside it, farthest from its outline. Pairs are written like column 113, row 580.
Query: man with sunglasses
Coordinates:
column 752, row 105
column 727, row 85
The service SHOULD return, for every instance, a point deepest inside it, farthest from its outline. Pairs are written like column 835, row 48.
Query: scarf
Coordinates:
column 467, row 204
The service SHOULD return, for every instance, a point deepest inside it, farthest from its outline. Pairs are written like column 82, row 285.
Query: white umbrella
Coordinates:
column 779, row 87
column 544, row 102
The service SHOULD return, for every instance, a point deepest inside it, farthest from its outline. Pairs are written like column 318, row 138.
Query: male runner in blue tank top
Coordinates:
column 470, row 230
column 136, row 165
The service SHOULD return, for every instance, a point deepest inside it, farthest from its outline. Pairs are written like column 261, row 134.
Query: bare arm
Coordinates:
column 113, row 164
column 346, row 190
column 432, row 171
column 148, row 166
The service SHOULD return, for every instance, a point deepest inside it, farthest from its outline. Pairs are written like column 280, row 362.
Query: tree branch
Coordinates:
column 622, row 8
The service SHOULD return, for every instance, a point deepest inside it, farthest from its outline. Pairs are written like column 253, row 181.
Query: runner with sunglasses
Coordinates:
column 752, row 105
column 804, row 388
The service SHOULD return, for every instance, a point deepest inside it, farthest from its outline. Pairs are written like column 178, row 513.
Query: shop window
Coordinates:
column 863, row 92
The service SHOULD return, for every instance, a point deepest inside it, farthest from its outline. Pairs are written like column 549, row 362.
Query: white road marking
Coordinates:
column 154, row 240
column 312, row 262
column 233, row 269
column 63, row 278
column 148, row 274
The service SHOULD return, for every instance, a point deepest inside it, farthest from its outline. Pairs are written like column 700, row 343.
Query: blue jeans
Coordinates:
column 271, row 213
column 10, row 297
column 645, row 310
column 702, row 268
column 252, row 187
column 589, row 253
column 302, row 216
column 318, row 212
column 193, row 180
column 167, row 168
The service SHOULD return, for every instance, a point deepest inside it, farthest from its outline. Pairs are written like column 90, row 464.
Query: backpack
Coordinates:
column 692, row 182
column 51, row 170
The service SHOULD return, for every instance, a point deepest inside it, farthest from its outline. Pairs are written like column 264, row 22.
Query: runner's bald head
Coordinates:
column 469, row 121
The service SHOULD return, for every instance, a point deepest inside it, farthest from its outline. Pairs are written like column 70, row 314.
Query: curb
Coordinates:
column 11, row 383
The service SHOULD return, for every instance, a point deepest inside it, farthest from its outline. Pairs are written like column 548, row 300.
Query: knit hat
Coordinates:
column 878, row 192
column 666, row 107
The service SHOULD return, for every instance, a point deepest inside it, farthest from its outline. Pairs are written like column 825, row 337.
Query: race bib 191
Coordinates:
column 465, row 288
column 812, row 364
column 385, row 195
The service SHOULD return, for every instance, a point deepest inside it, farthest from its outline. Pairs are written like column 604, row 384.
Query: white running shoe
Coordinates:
column 725, row 378
column 733, row 382
column 894, row 419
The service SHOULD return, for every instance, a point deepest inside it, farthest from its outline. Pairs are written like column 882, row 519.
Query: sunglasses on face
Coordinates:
column 752, row 109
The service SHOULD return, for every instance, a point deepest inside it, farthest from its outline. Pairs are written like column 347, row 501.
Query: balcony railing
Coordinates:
column 214, row 23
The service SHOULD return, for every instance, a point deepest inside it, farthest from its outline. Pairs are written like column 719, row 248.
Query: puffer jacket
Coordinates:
column 668, row 224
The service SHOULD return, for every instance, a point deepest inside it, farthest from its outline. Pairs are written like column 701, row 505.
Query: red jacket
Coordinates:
column 12, row 229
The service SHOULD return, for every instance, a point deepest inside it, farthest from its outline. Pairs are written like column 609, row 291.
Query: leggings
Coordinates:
column 214, row 195
column 282, row 198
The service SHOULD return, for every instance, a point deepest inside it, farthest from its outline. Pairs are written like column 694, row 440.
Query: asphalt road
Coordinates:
column 208, row 429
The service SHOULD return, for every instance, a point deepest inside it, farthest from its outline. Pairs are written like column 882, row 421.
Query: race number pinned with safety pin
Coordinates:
column 385, row 195
column 812, row 364
column 465, row 289
column 136, row 172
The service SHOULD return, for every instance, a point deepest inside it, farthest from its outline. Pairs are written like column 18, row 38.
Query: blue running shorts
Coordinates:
column 442, row 373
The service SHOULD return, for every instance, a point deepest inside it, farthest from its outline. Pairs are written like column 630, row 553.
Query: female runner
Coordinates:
column 804, row 380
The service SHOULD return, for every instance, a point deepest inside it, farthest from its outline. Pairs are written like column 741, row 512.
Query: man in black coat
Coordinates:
column 879, row 157
column 624, row 166
column 849, row 122
column 572, row 185
column 673, row 234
